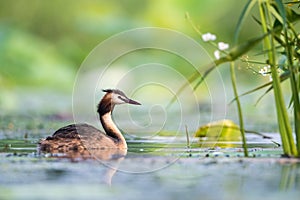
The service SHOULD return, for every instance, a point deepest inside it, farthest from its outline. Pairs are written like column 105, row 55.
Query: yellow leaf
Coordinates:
column 223, row 130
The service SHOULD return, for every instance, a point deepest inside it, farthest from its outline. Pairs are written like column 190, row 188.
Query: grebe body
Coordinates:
column 83, row 139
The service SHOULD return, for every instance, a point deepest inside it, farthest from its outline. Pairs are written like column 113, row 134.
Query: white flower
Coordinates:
column 223, row 46
column 208, row 37
column 217, row 54
column 265, row 70
column 262, row 72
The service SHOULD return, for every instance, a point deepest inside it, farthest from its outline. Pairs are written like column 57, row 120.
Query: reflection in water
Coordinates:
column 111, row 158
column 108, row 157
column 290, row 176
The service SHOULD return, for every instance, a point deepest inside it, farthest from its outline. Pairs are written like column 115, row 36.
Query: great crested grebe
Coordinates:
column 84, row 139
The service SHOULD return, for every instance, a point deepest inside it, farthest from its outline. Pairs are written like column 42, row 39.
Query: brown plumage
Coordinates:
column 83, row 140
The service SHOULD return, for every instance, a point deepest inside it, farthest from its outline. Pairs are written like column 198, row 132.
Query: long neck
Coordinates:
column 111, row 129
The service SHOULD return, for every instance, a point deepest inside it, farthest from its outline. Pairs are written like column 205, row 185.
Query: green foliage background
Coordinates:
column 42, row 43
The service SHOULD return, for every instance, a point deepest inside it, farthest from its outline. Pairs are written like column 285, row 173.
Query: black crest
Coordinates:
column 116, row 91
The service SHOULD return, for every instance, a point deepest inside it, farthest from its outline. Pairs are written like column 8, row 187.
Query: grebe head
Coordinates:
column 111, row 98
column 118, row 97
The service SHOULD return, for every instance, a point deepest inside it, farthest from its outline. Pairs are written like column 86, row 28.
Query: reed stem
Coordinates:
column 239, row 108
column 285, row 130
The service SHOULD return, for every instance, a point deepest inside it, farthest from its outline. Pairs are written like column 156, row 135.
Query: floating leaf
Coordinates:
column 220, row 130
column 225, row 130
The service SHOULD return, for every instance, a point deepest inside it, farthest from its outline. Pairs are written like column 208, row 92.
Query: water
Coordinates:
column 156, row 167
column 187, row 178
column 28, row 177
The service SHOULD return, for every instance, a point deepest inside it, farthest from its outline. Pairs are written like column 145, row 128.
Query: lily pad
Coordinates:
column 224, row 130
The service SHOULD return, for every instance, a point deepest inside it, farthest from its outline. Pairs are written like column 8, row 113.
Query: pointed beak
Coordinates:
column 130, row 101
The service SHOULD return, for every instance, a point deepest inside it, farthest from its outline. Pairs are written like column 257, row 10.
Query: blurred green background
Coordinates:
column 43, row 43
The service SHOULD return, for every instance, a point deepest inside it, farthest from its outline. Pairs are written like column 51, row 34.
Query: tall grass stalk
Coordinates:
column 239, row 108
column 294, row 71
column 285, row 129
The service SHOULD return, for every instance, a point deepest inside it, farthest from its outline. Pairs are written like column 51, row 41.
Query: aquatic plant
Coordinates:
column 281, row 45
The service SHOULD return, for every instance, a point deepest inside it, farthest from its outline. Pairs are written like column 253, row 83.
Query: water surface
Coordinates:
column 156, row 167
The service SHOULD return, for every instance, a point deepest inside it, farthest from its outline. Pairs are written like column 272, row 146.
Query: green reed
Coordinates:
column 284, row 126
column 239, row 108
column 276, row 21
